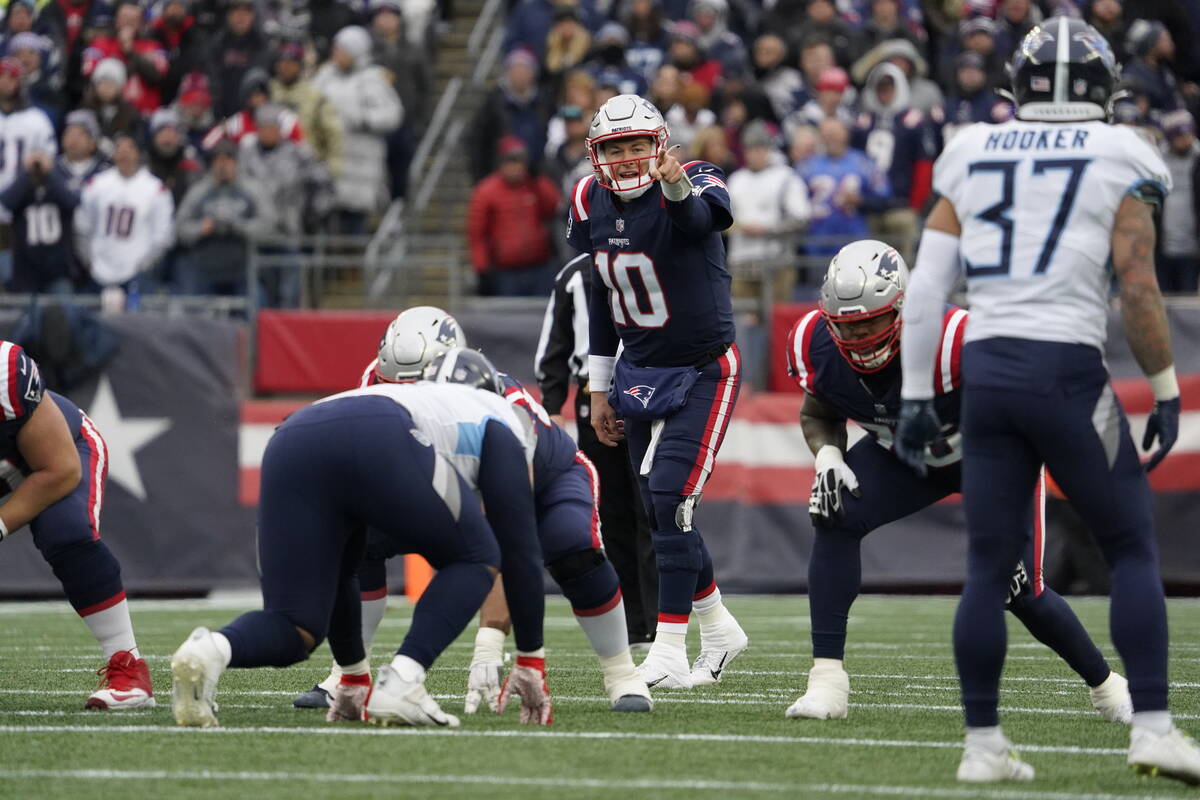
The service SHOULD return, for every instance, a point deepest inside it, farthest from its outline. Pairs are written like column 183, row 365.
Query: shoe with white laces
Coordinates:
column 720, row 644
column 981, row 764
column 349, row 698
column 1168, row 755
column 195, row 669
column 1112, row 700
column 666, row 667
column 124, row 684
column 399, row 698
column 827, row 695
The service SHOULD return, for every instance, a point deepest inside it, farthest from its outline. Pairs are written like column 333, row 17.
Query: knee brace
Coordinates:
column 677, row 551
column 586, row 578
column 1020, row 589
column 575, row 565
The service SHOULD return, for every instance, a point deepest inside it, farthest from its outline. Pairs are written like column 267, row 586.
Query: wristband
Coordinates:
column 678, row 191
column 600, row 372
column 489, row 646
column 1164, row 384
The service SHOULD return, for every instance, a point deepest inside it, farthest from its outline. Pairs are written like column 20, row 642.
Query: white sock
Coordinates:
column 357, row 668
column 670, row 634
column 333, row 679
column 113, row 629
column 618, row 668
column 824, row 664
column 408, row 669
column 990, row 738
column 372, row 615
column 1155, row 721
column 223, row 647
column 489, row 646
column 606, row 631
column 710, row 610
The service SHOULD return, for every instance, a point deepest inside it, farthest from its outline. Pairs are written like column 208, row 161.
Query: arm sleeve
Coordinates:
column 602, row 333
column 707, row 209
column 555, row 345
column 932, row 279
column 508, row 500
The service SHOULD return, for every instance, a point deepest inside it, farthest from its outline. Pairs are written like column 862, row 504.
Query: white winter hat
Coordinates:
column 354, row 40
column 110, row 69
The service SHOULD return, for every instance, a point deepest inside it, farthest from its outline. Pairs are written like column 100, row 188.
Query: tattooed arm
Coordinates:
column 1142, row 312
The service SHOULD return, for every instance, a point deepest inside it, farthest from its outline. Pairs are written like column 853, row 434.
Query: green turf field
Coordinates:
column 732, row 740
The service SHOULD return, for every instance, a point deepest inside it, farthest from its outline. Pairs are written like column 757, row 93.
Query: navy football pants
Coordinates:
column 331, row 470
column 1026, row 403
column 673, row 458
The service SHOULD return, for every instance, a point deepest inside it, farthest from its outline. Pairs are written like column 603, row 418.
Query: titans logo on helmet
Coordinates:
column 1098, row 45
column 642, row 393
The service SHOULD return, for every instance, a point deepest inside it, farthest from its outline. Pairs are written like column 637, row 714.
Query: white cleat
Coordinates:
column 402, row 700
column 827, row 696
column 719, row 646
column 981, row 765
column 195, row 668
column 666, row 667
column 1168, row 755
column 1111, row 699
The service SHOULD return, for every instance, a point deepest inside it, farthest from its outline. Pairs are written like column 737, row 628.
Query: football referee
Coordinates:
column 562, row 357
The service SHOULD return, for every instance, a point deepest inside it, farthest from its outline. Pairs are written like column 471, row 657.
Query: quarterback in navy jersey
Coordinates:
column 843, row 356
column 653, row 229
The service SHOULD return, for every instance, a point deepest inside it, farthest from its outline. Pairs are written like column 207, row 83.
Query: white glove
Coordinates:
column 347, row 701
column 483, row 681
column 529, row 681
column 825, row 502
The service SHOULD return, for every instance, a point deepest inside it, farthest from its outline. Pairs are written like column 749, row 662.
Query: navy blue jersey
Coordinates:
column 904, row 146
column 663, row 288
column 42, row 217
column 556, row 450
column 873, row 399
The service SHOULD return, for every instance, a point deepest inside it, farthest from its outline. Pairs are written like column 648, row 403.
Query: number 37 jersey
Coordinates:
column 1037, row 201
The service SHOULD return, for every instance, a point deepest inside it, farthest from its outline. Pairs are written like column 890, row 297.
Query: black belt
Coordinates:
column 712, row 355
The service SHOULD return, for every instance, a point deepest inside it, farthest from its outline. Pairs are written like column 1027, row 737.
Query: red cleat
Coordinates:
column 124, row 684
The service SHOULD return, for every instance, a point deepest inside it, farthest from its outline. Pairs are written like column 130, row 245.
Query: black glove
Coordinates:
column 1163, row 424
column 918, row 426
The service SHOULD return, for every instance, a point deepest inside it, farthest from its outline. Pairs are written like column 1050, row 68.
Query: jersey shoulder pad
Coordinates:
column 947, row 370
column 804, row 349
column 21, row 386
column 581, row 198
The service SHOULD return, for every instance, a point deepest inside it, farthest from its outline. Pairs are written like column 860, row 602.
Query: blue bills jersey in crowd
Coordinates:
column 828, row 179
column 904, row 146
column 663, row 281
column 873, row 400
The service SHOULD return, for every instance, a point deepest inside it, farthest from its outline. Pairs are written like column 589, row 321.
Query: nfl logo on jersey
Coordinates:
column 620, row 225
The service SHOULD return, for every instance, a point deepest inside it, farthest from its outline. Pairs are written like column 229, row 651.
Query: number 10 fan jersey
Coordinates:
column 668, row 289
column 1037, row 201
column 125, row 220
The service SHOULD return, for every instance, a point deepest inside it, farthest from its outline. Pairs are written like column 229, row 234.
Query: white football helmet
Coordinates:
column 626, row 116
column 414, row 338
column 866, row 279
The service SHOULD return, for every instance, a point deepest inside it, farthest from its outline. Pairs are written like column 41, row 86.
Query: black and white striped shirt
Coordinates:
column 562, row 352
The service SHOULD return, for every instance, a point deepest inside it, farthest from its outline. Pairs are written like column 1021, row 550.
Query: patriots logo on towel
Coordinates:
column 642, row 392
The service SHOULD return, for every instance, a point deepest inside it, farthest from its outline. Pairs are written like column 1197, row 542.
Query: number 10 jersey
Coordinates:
column 1037, row 201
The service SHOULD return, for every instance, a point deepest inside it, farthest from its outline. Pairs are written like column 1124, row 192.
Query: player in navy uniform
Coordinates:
column 653, row 229
column 844, row 357
column 53, row 463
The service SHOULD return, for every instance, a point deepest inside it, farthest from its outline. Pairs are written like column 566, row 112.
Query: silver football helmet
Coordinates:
column 414, row 338
column 468, row 367
column 626, row 116
column 865, row 281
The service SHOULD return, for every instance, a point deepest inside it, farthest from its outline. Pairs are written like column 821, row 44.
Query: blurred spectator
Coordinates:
column 1107, row 17
column 569, row 161
column 255, row 92
column 530, row 22
column 768, row 200
column 299, row 186
column 40, row 203
column 219, row 214
column 326, row 18
column 970, row 99
column 903, row 142
column 722, row 45
column 1148, row 75
column 805, row 143
column 608, row 64
column 180, row 40
column 80, row 160
column 144, row 60
column 171, row 158
column 507, row 227
column 1016, row 18
column 885, row 24
column 786, row 19
column 665, row 89
column 41, row 79
column 816, row 56
column 842, row 184
column 409, row 70
column 194, row 106
column 690, row 114
column 978, row 35
column 64, row 21
column 123, row 224
column 238, row 48
column 567, row 46
column 515, row 106
column 579, row 90
column 783, row 84
column 647, row 35
column 1179, row 261
column 369, row 110
column 26, row 129
column 103, row 98
column 318, row 118
column 685, row 54
column 924, row 94
column 823, row 22
column 831, row 93
column 709, row 145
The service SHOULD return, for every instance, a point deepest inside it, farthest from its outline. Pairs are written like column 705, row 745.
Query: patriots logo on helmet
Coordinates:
column 887, row 267
column 448, row 332
column 642, row 392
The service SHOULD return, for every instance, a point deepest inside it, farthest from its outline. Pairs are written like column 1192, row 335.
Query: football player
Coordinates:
column 653, row 227
column 1032, row 210
column 412, row 462
column 844, row 357
column 52, row 471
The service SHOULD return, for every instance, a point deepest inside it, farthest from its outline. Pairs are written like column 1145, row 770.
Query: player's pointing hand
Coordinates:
column 667, row 168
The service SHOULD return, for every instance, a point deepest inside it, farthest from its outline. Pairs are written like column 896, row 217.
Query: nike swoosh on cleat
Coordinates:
column 123, row 697
column 716, row 673
column 652, row 684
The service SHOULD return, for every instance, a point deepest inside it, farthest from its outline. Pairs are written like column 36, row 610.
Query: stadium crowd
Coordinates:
column 826, row 116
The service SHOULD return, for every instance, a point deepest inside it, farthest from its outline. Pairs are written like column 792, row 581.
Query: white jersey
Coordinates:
column 22, row 133
column 453, row 417
column 124, row 225
column 1037, row 201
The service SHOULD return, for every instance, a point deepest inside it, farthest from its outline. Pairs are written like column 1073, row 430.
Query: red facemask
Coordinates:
column 871, row 353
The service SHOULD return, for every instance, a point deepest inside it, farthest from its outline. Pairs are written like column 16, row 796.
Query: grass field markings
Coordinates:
column 554, row 735
column 808, row 789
